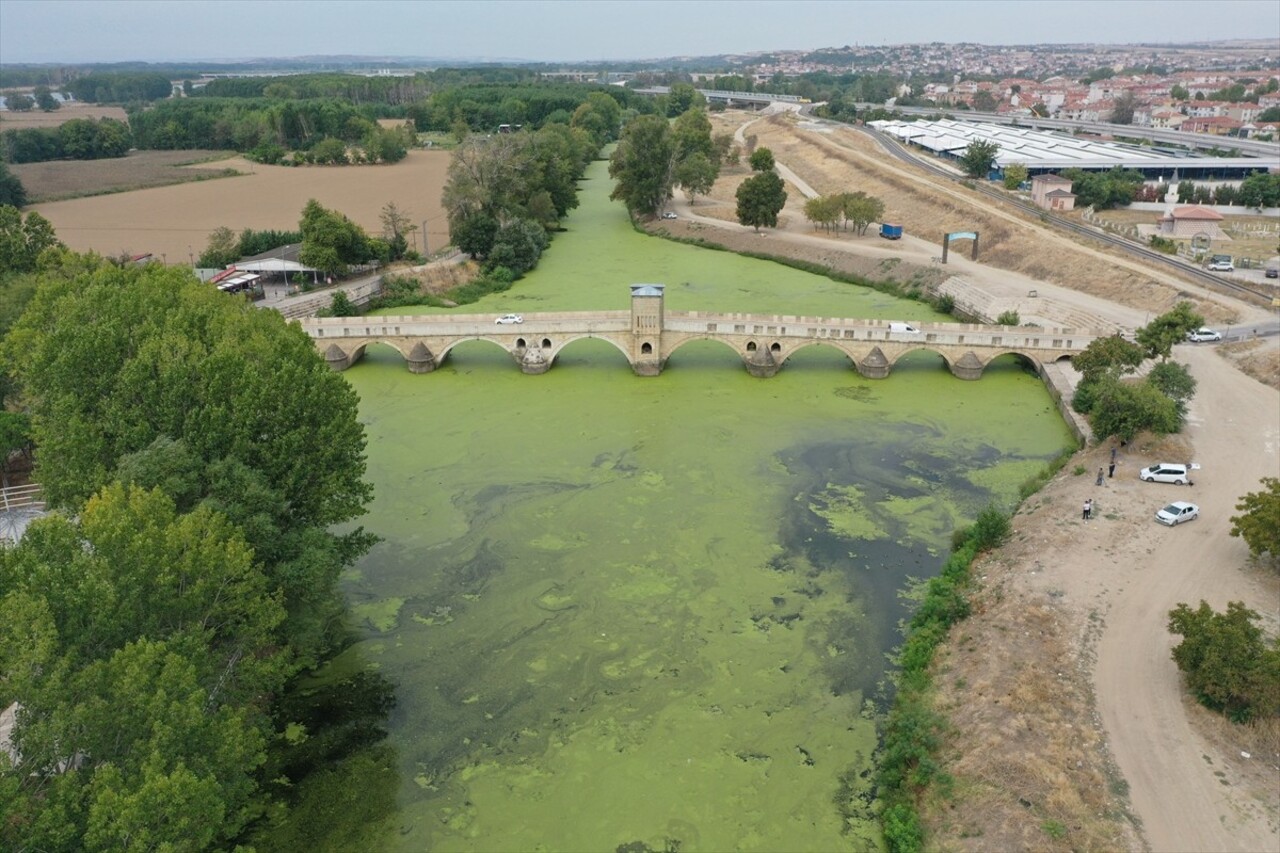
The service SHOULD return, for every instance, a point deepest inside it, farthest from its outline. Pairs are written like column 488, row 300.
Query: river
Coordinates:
column 655, row 611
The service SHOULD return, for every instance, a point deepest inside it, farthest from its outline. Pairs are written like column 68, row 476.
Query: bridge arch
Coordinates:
column 449, row 347
column 821, row 344
column 553, row 350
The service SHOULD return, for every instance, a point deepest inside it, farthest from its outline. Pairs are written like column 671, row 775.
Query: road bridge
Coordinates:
column 647, row 335
column 730, row 97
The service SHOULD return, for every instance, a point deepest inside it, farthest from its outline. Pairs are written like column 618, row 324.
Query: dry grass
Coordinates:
column 1259, row 358
column 846, row 160
column 1031, row 770
column 63, row 179
column 176, row 220
column 36, row 118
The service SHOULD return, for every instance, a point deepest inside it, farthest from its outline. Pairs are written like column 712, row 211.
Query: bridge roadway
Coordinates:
column 647, row 337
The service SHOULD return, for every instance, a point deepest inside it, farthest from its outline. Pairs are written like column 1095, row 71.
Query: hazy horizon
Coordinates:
column 549, row 31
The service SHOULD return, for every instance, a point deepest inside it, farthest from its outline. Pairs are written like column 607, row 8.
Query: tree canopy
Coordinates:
column 978, row 159
column 202, row 454
column 1259, row 520
column 147, row 372
column 643, row 165
column 760, row 199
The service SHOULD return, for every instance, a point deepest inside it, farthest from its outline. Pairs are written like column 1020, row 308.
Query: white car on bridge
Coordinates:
column 509, row 320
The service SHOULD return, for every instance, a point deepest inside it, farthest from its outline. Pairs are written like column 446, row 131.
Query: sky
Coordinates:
column 75, row 31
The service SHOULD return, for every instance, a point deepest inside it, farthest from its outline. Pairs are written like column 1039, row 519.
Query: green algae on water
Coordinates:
column 623, row 609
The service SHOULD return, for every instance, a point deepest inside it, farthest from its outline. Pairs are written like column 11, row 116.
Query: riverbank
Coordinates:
column 1068, row 725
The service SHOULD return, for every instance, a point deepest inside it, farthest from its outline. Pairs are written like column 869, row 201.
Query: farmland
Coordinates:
column 36, row 118
column 175, row 221
column 53, row 180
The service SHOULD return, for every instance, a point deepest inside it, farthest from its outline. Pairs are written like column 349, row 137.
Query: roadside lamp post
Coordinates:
column 192, row 256
column 424, row 237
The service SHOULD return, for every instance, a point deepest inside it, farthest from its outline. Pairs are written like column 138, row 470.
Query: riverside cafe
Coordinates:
column 249, row 274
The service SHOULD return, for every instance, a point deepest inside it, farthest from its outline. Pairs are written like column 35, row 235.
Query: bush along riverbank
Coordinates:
column 908, row 763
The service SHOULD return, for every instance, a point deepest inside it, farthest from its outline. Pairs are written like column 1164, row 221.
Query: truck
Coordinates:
column 890, row 232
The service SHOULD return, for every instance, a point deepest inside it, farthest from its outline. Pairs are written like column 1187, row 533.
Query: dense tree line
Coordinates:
column 201, row 454
column 654, row 156
column 119, row 87
column 244, row 124
column 78, row 139
column 505, row 192
column 483, row 108
column 356, row 88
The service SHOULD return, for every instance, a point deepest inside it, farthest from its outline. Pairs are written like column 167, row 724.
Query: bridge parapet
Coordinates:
column 647, row 339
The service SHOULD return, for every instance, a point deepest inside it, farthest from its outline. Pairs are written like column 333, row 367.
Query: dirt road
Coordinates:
column 1098, row 594
column 1235, row 428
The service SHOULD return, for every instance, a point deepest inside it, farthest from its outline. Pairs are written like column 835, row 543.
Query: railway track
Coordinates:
column 1189, row 271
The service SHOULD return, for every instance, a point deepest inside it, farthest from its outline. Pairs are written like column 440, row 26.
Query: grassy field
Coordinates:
column 175, row 221
column 63, row 179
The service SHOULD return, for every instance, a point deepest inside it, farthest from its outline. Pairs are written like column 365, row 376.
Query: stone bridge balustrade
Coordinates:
column 648, row 335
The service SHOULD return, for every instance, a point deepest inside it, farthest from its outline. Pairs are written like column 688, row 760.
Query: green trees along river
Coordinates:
column 650, row 611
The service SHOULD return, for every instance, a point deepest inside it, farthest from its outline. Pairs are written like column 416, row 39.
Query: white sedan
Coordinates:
column 509, row 320
column 1178, row 512
column 1203, row 335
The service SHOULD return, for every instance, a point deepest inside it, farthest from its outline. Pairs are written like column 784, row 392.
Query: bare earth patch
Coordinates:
column 36, row 118
column 1258, row 358
column 63, row 179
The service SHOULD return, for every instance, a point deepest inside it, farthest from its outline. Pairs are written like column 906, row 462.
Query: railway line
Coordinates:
column 1189, row 271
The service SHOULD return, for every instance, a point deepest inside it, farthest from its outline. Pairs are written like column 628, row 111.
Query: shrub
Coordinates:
column 1009, row 318
column 991, row 529
column 944, row 303
column 1226, row 661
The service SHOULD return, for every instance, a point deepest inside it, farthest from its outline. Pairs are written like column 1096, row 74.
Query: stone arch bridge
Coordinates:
column 647, row 335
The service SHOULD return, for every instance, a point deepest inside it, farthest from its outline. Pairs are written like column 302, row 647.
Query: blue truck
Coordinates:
column 890, row 232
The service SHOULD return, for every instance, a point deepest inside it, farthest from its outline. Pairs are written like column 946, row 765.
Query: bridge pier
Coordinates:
column 532, row 361
column 968, row 367
column 646, row 366
column 874, row 366
column 337, row 359
column 760, row 363
column 420, row 359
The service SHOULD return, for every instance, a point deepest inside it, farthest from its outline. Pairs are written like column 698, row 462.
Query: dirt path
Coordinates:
column 1234, row 427
column 1072, row 615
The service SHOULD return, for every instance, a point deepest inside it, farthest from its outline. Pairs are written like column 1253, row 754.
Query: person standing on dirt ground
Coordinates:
column 1111, row 469
column 1088, row 509
column 1099, row 483
column 1113, row 454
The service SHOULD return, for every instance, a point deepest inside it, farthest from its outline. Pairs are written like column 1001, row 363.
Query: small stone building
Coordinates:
column 1191, row 220
column 1052, row 192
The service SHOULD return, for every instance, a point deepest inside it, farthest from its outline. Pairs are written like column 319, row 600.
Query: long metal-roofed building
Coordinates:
column 1043, row 151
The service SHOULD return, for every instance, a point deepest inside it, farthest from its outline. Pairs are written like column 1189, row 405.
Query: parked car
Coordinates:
column 1203, row 335
column 1178, row 512
column 509, row 320
column 1168, row 472
column 1221, row 266
column 1272, row 272
column 669, row 215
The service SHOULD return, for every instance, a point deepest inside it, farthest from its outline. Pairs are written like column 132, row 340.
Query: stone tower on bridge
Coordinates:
column 646, row 329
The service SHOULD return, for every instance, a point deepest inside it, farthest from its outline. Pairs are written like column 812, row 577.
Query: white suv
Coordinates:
column 1168, row 472
column 1221, row 266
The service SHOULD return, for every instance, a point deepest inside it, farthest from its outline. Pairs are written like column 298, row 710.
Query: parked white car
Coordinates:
column 669, row 215
column 1200, row 335
column 1221, row 266
column 1168, row 472
column 509, row 320
column 1178, row 512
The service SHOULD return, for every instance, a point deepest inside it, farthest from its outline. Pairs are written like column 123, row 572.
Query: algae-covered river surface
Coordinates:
column 624, row 610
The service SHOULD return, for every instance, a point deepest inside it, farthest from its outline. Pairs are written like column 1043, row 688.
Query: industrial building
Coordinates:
column 1044, row 152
